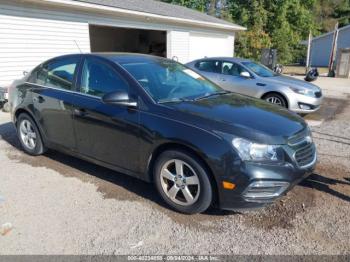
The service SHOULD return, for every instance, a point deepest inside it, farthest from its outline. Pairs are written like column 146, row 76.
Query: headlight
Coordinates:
column 303, row 91
column 249, row 151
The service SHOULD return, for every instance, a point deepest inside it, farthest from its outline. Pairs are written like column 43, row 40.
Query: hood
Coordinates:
column 291, row 81
column 241, row 116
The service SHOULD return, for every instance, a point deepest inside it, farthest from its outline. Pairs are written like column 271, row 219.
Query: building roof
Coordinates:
column 163, row 9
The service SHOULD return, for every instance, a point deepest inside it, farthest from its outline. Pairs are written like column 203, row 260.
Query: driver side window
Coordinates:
column 233, row 69
column 99, row 79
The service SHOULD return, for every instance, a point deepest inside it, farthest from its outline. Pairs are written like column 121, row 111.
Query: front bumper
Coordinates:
column 286, row 174
column 303, row 104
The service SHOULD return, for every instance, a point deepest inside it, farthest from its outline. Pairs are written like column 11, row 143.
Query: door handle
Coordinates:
column 38, row 99
column 80, row 112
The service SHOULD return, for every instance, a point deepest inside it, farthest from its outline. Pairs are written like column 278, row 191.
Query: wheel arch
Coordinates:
column 25, row 111
column 278, row 93
column 187, row 149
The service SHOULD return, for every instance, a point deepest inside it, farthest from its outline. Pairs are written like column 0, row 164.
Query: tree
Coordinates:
column 199, row 5
column 280, row 24
column 329, row 12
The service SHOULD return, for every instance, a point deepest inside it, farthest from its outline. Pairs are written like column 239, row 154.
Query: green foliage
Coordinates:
column 199, row 5
column 280, row 24
column 329, row 12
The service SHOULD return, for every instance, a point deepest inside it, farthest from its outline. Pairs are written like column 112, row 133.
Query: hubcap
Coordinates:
column 180, row 182
column 274, row 100
column 28, row 135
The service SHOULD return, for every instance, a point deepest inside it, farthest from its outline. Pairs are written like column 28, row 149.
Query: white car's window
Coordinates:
column 210, row 66
column 233, row 69
column 259, row 69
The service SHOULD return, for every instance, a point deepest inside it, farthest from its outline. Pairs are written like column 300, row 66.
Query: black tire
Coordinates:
column 205, row 196
column 6, row 107
column 278, row 96
column 39, row 148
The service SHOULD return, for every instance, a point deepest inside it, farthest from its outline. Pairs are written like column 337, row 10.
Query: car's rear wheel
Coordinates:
column 276, row 99
column 183, row 182
column 29, row 135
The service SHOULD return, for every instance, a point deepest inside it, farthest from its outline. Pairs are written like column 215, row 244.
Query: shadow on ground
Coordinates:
column 322, row 183
column 122, row 187
column 111, row 184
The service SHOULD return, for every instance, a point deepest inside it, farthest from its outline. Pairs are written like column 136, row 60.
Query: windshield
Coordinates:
column 169, row 81
column 259, row 69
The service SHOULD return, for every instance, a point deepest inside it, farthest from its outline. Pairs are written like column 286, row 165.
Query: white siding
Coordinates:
column 188, row 46
column 210, row 45
column 26, row 42
column 30, row 34
column 178, row 46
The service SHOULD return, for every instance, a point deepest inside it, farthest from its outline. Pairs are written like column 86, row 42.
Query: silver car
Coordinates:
column 253, row 79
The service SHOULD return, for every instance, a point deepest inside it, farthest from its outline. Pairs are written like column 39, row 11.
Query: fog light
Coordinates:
column 305, row 106
column 265, row 189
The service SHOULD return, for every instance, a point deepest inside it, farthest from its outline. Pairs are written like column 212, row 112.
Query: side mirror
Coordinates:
column 25, row 73
column 245, row 74
column 119, row 98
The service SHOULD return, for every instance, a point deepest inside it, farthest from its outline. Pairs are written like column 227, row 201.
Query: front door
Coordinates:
column 108, row 133
column 230, row 79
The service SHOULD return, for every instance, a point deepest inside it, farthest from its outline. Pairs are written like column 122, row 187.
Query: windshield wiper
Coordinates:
column 212, row 94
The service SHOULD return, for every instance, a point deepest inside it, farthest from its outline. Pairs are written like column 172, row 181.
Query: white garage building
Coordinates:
column 32, row 31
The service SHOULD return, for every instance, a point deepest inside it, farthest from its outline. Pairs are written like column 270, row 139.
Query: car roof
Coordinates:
column 114, row 56
column 129, row 57
column 231, row 59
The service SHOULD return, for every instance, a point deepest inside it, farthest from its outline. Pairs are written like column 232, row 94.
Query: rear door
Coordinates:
column 209, row 68
column 230, row 79
column 108, row 133
column 53, row 86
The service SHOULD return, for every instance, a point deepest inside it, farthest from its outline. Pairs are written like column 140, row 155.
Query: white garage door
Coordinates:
column 26, row 42
column 208, row 45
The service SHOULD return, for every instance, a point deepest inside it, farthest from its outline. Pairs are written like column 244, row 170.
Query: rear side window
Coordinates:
column 99, row 79
column 211, row 66
column 58, row 73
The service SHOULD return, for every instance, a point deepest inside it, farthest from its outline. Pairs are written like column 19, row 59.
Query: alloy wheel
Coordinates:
column 274, row 100
column 28, row 135
column 180, row 182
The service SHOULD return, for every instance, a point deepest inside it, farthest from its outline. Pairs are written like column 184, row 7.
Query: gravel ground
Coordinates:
column 62, row 205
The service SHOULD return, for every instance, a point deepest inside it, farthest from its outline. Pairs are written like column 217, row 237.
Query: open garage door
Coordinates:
column 115, row 39
column 205, row 45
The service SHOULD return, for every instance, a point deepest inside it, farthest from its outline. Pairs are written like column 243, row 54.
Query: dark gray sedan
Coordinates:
column 253, row 79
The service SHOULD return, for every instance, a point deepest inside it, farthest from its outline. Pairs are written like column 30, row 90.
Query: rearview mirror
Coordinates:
column 245, row 74
column 119, row 98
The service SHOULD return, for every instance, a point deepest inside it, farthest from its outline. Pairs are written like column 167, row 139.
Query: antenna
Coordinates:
column 77, row 46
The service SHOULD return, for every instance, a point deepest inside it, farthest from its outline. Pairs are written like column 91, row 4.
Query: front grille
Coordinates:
column 298, row 138
column 318, row 94
column 305, row 155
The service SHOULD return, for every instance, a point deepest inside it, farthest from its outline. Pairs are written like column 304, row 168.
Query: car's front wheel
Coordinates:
column 276, row 99
column 183, row 182
column 29, row 135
